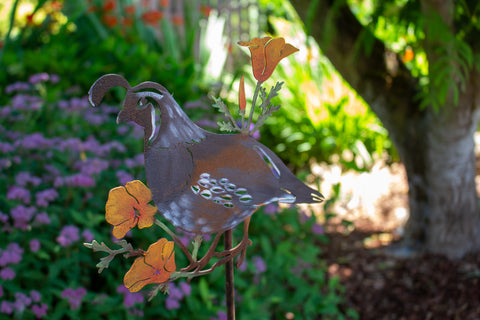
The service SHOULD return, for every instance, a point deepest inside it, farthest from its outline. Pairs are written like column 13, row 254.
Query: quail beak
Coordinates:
column 123, row 116
column 317, row 197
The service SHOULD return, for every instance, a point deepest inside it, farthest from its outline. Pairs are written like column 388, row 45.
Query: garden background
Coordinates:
column 59, row 157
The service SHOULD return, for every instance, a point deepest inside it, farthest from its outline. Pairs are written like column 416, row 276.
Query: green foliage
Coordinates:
column 313, row 124
column 441, row 54
column 104, row 41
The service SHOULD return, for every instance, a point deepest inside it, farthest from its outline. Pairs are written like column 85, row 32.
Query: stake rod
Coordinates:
column 229, row 286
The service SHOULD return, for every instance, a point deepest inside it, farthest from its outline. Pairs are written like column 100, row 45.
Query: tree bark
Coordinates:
column 437, row 148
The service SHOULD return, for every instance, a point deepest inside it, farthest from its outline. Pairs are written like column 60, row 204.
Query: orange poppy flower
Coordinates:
column 177, row 20
column 154, row 267
column 242, row 102
column 130, row 9
column 109, row 5
column 408, row 55
column 110, row 21
column 266, row 54
column 128, row 206
column 152, row 17
column 206, row 10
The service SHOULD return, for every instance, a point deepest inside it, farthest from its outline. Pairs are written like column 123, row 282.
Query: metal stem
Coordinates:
column 229, row 286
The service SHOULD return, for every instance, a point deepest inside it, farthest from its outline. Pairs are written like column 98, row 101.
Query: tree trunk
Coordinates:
column 437, row 148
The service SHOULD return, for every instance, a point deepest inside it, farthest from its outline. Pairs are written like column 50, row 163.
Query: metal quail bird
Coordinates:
column 200, row 181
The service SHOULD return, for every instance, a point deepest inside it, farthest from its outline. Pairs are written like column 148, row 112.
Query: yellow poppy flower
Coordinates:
column 154, row 267
column 266, row 54
column 128, row 206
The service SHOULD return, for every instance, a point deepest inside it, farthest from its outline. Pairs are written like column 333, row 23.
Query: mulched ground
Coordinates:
column 380, row 286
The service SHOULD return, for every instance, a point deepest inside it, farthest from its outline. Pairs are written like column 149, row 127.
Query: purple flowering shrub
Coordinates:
column 58, row 159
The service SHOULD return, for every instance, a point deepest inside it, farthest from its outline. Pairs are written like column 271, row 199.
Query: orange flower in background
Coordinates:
column 127, row 22
column 128, row 206
column 266, row 54
column 177, row 20
column 408, row 55
column 206, row 10
column 152, row 17
column 109, row 5
column 110, row 21
column 164, row 3
column 30, row 19
column 242, row 102
column 154, row 267
column 130, row 9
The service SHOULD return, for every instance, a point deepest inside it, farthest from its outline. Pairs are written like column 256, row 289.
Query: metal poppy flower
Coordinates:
column 266, row 54
column 155, row 266
column 128, row 206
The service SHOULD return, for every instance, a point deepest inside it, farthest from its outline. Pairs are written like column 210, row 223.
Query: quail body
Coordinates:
column 200, row 181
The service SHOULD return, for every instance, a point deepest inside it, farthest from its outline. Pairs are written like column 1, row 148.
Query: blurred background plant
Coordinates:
column 59, row 158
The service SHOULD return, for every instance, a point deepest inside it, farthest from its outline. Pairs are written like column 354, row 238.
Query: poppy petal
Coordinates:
column 146, row 216
column 139, row 191
column 139, row 275
column 119, row 206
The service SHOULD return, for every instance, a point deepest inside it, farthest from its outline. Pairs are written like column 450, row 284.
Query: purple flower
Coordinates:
column 54, row 78
column 34, row 245
column 124, row 177
column 3, row 217
column 11, row 255
column 33, row 141
column 88, row 235
column 270, row 208
column 317, row 229
column 91, row 166
column 175, row 292
column 68, row 235
column 174, row 297
column 17, row 86
column 130, row 298
column 40, row 310
column 186, row 289
column 171, row 303
column 78, row 180
column 6, row 147
column 7, row 273
column 18, row 193
column 23, row 178
column 137, row 161
column 220, row 316
column 35, row 296
column 74, row 296
column 6, row 307
column 22, row 216
column 259, row 264
column 21, row 301
column 39, row 77
column 42, row 218
column 243, row 266
column 43, row 198
column 123, row 130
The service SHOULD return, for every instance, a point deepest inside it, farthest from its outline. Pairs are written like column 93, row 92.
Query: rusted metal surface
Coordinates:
column 200, row 181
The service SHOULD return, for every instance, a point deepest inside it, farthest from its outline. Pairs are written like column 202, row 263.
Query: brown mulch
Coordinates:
column 383, row 286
